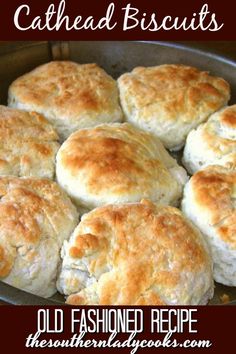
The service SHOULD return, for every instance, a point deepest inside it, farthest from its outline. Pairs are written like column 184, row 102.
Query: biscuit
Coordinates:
column 28, row 144
column 117, row 163
column 136, row 254
column 209, row 201
column 71, row 96
column 213, row 142
column 36, row 217
column 171, row 100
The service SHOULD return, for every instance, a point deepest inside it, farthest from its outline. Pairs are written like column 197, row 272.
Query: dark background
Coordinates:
column 224, row 13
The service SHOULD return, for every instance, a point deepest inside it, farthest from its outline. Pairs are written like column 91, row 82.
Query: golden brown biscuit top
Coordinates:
column 228, row 117
column 22, row 125
column 219, row 132
column 30, row 209
column 140, row 247
column 180, row 90
column 116, row 158
column 28, row 144
column 66, row 87
column 214, row 192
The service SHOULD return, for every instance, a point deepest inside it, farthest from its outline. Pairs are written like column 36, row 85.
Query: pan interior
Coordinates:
column 116, row 58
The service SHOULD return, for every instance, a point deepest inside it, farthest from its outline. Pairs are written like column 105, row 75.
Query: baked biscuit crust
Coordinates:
column 212, row 143
column 71, row 96
column 36, row 217
column 117, row 163
column 136, row 254
column 28, row 144
column 209, row 201
column 171, row 100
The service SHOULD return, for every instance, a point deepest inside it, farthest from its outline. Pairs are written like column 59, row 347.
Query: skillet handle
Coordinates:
column 60, row 50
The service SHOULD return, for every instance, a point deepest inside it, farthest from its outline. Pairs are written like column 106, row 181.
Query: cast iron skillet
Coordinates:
column 17, row 58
